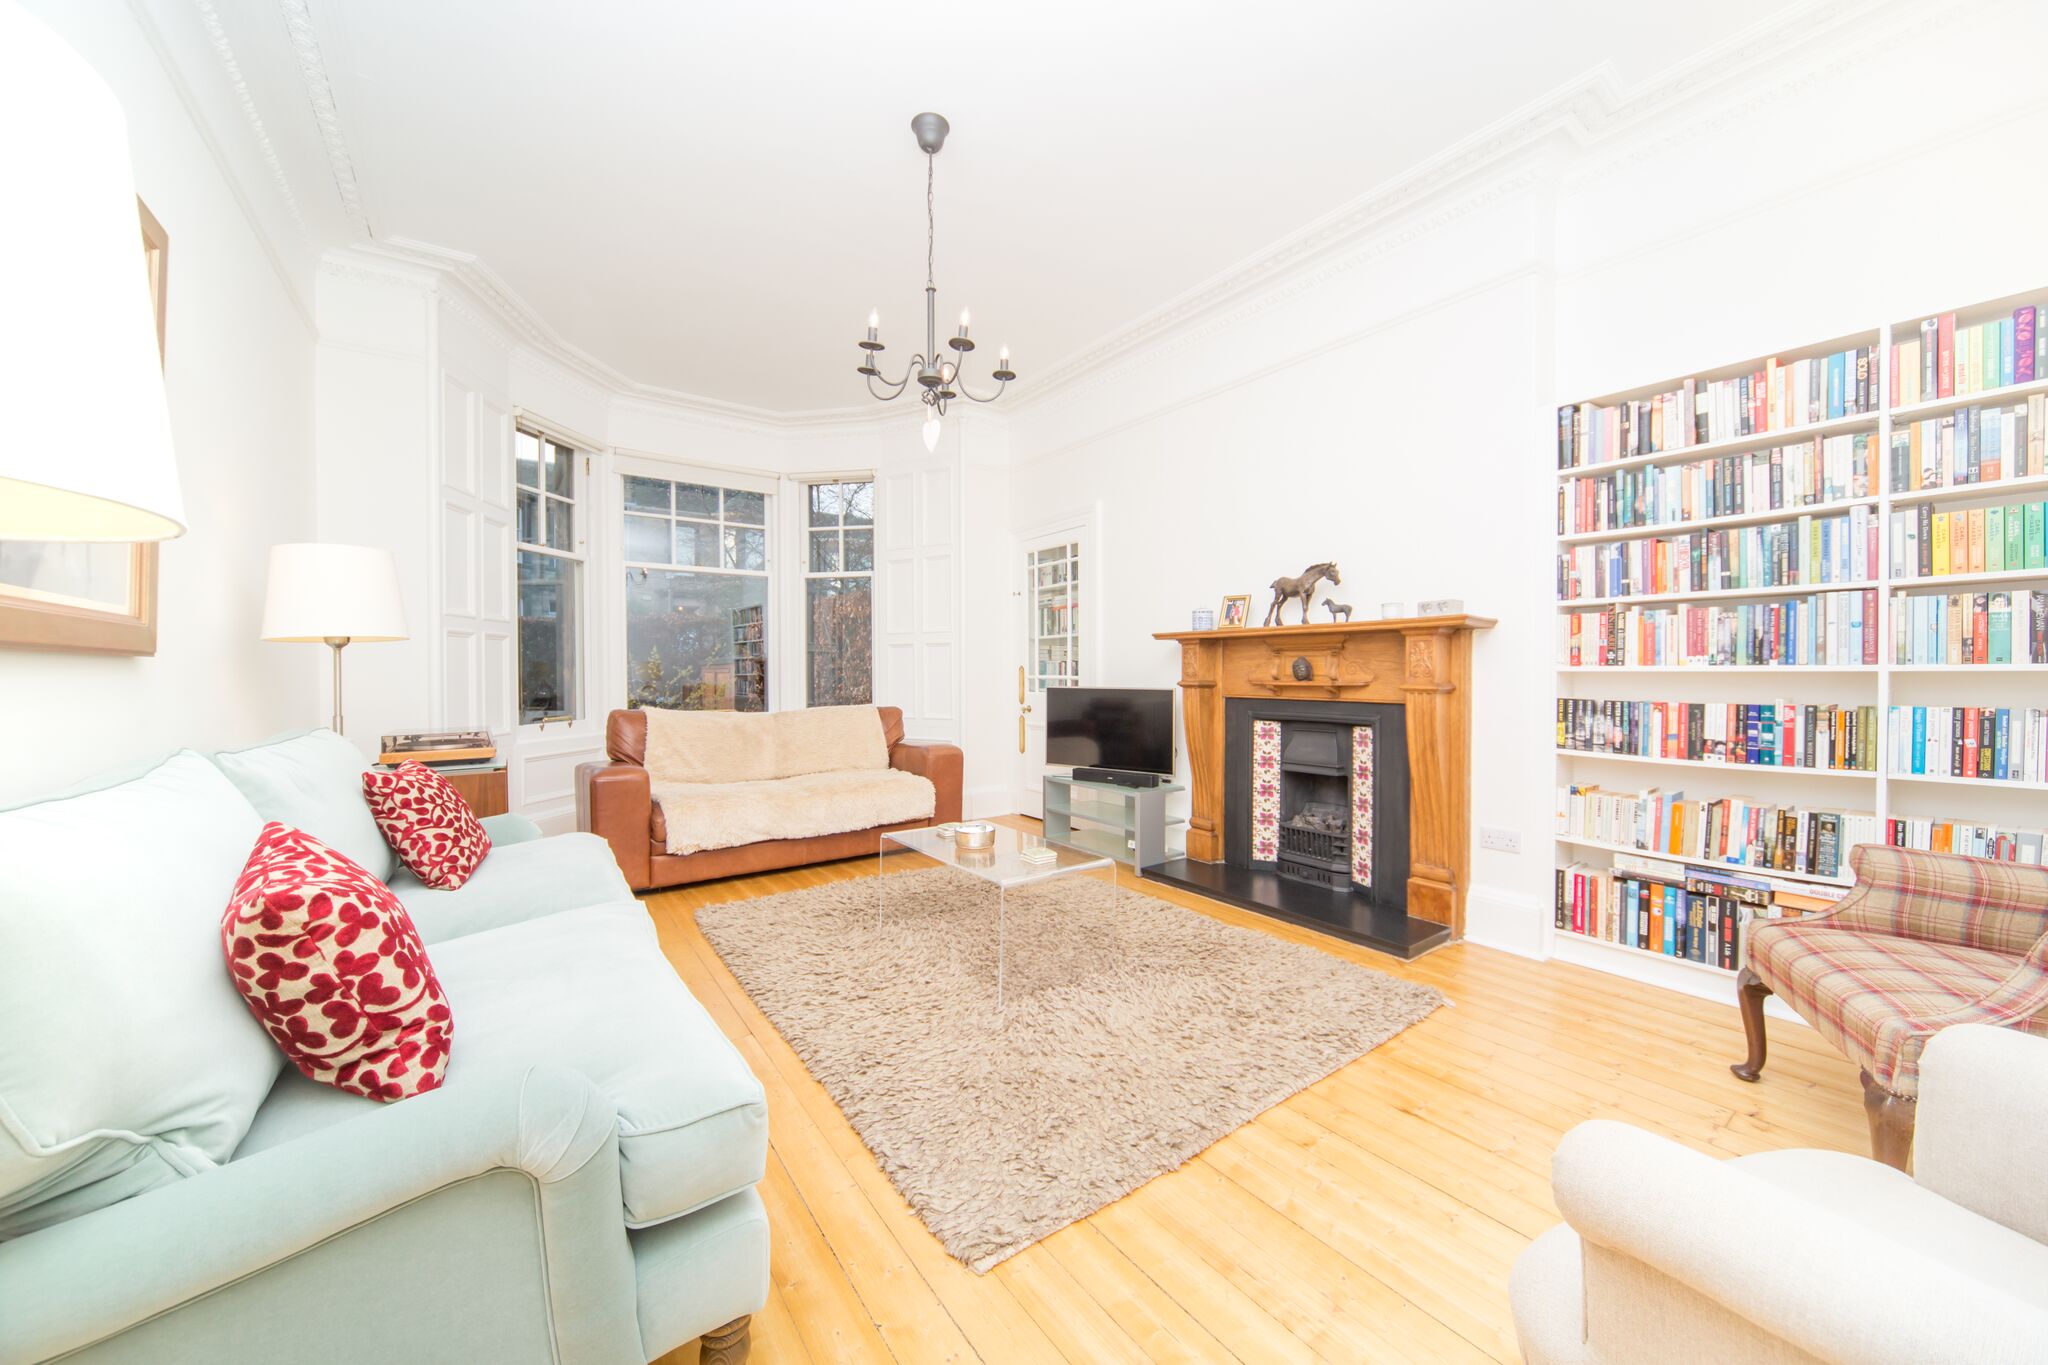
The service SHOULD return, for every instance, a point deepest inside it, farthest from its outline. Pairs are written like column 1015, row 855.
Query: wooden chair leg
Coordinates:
column 1891, row 1123
column 727, row 1345
column 1750, row 991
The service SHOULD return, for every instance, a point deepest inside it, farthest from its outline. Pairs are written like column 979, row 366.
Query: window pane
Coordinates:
column 860, row 551
column 529, row 517
column 824, row 551
column 526, row 458
column 696, row 500
column 697, row 543
column 547, row 636
column 825, row 504
column 839, row 642
column 560, row 468
column 751, row 508
column 646, row 495
column 561, row 524
column 746, row 549
column 860, row 504
column 696, row 641
column 647, row 540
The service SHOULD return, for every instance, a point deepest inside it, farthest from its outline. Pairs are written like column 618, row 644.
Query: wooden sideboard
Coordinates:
column 1421, row 663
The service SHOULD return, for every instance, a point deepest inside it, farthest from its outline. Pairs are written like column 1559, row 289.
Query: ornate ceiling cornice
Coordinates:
column 1551, row 136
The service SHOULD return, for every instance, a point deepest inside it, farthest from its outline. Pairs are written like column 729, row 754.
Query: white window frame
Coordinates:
column 579, row 540
column 800, row 500
column 618, row 670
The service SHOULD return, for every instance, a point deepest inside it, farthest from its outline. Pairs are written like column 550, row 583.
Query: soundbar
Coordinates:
column 1117, row 777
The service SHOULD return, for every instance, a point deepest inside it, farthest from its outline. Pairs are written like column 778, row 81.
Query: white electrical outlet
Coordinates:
column 1499, row 840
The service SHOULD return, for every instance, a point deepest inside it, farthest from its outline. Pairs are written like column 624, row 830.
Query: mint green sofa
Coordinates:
column 580, row 1189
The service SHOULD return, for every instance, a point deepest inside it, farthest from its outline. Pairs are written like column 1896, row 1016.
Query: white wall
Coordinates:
column 1391, row 403
column 239, row 373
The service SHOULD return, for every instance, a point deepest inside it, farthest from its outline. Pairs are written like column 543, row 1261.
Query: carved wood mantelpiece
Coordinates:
column 1423, row 663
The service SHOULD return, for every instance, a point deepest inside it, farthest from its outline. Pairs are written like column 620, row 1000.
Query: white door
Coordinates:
column 1052, row 567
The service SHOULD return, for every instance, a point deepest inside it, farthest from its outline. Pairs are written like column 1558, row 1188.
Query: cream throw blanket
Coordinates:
column 727, row 778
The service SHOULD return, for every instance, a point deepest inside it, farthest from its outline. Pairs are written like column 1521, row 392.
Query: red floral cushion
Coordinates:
column 327, row 960
column 436, row 834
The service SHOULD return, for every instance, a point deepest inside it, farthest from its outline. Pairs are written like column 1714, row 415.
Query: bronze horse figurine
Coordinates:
column 1303, row 587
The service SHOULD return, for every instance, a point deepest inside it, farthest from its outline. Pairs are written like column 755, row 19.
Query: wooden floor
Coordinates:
column 1372, row 1217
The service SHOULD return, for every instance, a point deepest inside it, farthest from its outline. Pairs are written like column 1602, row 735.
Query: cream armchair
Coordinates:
column 1667, row 1255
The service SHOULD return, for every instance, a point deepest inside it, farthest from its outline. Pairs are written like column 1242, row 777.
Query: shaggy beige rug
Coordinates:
column 1134, row 1036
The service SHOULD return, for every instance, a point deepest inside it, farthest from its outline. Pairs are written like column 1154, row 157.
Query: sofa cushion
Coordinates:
column 740, row 746
column 519, row 881
column 327, row 960
column 588, row 989
column 428, row 824
column 313, row 782
column 127, row 1060
column 705, row 815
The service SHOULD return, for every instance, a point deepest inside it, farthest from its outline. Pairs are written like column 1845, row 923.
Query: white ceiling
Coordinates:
column 710, row 197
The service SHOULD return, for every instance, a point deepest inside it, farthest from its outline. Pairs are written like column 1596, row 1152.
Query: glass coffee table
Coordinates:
column 1001, row 865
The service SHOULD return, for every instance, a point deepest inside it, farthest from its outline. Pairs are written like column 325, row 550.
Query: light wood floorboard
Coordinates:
column 1372, row 1217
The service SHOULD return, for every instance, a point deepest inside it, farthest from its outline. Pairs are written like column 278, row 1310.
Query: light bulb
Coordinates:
column 1006, row 357
column 874, row 318
column 963, row 319
column 930, row 430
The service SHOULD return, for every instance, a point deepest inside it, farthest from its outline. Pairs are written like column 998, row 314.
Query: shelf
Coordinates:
column 1956, row 492
column 1971, row 669
column 1733, row 869
column 1575, row 937
column 1719, row 594
column 1986, row 783
column 1935, row 407
column 1680, row 528
column 1717, row 668
column 1774, row 768
column 1734, row 445
column 1994, row 576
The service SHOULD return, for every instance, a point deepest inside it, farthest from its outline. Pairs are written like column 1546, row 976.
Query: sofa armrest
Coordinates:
column 511, row 828
column 1982, row 1124
column 613, row 801
column 941, row 765
column 181, row 1246
column 1799, row 1272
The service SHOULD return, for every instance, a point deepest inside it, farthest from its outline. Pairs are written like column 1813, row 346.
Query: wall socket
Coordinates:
column 1499, row 840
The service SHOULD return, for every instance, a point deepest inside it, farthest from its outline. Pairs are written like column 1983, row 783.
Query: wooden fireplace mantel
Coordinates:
column 1422, row 663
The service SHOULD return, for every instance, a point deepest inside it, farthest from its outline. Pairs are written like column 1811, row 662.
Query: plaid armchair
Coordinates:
column 1925, row 941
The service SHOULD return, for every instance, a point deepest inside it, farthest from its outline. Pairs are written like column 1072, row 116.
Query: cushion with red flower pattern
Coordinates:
column 327, row 960
column 435, row 833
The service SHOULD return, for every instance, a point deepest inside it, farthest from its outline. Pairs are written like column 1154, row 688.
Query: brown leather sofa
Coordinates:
column 613, row 800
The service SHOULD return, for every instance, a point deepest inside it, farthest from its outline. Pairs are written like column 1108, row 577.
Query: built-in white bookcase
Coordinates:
column 1883, row 684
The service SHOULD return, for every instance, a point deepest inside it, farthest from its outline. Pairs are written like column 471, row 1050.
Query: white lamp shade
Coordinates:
column 88, row 449
column 332, row 592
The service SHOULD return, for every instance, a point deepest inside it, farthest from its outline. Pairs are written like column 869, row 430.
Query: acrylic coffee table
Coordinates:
column 1001, row 865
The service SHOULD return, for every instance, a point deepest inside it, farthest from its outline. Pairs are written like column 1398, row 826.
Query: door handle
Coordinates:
column 1027, row 710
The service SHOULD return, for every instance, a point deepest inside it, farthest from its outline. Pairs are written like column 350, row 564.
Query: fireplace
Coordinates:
column 1304, row 746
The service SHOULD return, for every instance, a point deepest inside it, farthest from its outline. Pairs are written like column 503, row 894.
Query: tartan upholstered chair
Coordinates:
column 1923, row 942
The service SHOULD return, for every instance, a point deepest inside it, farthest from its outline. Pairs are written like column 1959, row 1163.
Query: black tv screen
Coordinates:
column 1110, row 727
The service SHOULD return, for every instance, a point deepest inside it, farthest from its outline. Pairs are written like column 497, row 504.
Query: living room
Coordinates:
column 1141, row 821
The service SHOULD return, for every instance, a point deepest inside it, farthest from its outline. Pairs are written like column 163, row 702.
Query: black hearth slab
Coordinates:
column 1341, row 913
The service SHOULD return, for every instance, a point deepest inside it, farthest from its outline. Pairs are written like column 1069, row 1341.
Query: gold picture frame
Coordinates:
column 32, row 619
column 1236, row 613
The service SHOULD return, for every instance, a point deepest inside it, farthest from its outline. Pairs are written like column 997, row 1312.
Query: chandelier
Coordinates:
column 939, row 382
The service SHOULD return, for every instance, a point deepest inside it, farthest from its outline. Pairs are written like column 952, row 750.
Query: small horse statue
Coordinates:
column 1303, row 587
column 1338, row 610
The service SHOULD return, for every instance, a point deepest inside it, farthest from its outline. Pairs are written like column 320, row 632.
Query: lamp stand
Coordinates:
column 336, row 643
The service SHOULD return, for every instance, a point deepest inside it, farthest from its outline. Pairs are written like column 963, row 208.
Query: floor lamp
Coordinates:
column 335, row 595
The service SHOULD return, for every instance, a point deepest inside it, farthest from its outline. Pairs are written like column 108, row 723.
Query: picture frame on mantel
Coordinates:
column 82, row 597
column 1237, row 612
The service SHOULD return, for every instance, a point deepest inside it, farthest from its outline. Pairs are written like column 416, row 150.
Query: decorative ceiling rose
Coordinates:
column 939, row 381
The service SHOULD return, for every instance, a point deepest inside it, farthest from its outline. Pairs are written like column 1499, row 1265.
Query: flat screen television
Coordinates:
column 1110, row 727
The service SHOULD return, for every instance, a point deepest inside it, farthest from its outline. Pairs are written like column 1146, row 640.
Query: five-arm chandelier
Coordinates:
column 939, row 381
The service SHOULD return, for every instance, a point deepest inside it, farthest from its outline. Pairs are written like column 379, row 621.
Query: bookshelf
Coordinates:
column 1640, row 479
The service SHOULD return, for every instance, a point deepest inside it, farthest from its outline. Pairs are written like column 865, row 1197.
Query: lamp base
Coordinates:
column 337, row 643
